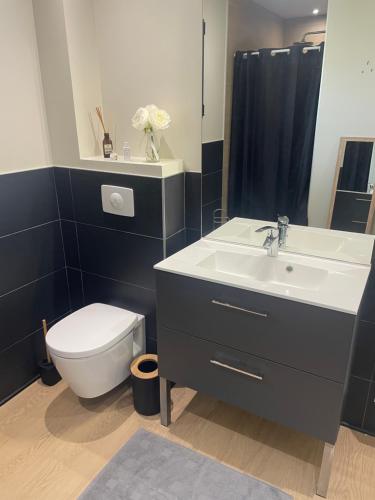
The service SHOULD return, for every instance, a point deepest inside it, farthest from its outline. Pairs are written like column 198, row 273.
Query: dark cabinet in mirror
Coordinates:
column 352, row 205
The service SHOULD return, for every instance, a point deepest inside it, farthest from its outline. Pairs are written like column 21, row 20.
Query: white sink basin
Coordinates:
column 322, row 282
column 266, row 269
column 339, row 245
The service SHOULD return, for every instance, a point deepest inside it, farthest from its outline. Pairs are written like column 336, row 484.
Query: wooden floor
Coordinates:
column 52, row 444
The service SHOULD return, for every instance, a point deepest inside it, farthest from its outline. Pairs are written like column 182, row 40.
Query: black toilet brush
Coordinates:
column 48, row 373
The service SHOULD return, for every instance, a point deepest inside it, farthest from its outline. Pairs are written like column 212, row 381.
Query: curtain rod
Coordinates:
column 283, row 51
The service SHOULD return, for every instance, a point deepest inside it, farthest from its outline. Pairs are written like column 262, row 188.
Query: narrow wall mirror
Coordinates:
column 353, row 204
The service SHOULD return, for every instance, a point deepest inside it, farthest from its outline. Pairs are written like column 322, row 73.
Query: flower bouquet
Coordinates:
column 150, row 120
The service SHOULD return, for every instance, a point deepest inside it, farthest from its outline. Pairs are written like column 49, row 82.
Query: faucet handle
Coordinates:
column 283, row 220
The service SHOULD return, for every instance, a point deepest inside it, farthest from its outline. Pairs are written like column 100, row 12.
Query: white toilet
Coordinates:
column 93, row 347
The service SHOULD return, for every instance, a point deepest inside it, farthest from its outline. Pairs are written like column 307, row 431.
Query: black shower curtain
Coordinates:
column 354, row 175
column 274, row 108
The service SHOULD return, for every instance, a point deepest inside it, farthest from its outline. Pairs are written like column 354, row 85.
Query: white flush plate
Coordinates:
column 118, row 200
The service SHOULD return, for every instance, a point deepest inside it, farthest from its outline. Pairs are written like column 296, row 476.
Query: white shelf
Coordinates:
column 136, row 166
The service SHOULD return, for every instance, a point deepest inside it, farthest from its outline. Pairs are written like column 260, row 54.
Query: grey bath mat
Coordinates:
column 151, row 467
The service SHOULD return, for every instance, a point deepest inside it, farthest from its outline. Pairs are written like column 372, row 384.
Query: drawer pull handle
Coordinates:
column 363, row 199
column 237, row 370
column 236, row 308
column 358, row 222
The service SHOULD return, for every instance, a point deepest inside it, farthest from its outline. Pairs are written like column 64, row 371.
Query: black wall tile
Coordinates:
column 70, row 239
column 367, row 312
column 192, row 235
column 147, row 202
column 211, row 187
column 364, row 352
column 127, row 257
column 355, row 402
column 369, row 421
column 208, row 216
column 193, row 200
column 19, row 365
column 27, row 199
column 30, row 254
column 176, row 243
column 75, row 288
column 151, row 345
column 64, row 192
column 22, row 311
column 212, row 156
column 115, row 293
column 174, row 192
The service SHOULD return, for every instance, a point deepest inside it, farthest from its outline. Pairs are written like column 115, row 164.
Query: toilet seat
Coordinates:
column 90, row 330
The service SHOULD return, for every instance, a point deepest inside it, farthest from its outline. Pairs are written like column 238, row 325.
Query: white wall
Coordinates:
column 57, row 82
column 150, row 52
column 23, row 127
column 215, row 15
column 85, row 73
column 347, row 100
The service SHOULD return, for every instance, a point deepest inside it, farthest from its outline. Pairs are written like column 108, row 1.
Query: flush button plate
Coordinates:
column 118, row 200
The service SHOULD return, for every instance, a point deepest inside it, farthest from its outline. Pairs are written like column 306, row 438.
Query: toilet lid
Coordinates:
column 90, row 330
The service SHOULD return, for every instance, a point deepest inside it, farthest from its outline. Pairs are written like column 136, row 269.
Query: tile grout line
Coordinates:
column 366, row 405
column 174, row 234
column 117, row 230
column 164, row 221
column 29, row 228
column 62, row 238
column 118, row 281
column 34, row 332
column 33, row 281
column 212, row 173
column 211, row 202
column 77, row 237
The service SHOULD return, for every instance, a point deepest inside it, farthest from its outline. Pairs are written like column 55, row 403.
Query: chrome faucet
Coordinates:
column 271, row 243
column 283, row 224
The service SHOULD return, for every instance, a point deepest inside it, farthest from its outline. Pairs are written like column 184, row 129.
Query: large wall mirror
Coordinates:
column 352, row 207
column 288, row 98
column 269, row 55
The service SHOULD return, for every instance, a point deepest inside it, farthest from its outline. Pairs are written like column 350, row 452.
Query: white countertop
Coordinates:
column 319, row 242
column 315, row 281
column 136, row 166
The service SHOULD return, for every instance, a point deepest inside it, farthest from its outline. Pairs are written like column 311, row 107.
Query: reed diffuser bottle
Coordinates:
column 107, row 142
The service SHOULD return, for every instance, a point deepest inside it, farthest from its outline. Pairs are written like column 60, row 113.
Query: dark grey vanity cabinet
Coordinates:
column 280, row 359
column 351, row 211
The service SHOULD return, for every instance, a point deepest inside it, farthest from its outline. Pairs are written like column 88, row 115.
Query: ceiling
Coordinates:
column 294, row 8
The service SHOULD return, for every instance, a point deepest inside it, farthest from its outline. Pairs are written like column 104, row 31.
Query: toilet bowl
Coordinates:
column 93, row 347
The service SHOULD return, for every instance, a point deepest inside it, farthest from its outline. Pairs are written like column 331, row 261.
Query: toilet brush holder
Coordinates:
column 47, row 370
column 48, row 373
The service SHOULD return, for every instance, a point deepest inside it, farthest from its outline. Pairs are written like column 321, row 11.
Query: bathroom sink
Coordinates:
column 327, row 243
column 317, row 281
column 266, row 269
column 291, row 275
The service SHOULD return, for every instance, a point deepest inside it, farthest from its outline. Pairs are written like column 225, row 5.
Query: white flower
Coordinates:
column 158, row 118
column 151, row 118
column 140, row 120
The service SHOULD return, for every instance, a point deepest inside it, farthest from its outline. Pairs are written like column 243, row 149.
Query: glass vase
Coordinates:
column 152, row 147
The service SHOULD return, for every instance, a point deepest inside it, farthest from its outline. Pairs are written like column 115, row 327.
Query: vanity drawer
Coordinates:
column 351, row 211
column 308, row 338
column 296, row 399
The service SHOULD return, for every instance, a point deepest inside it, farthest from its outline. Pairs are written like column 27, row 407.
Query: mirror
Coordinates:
column 352, row 206
column 285, row 100
column 357, row 168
